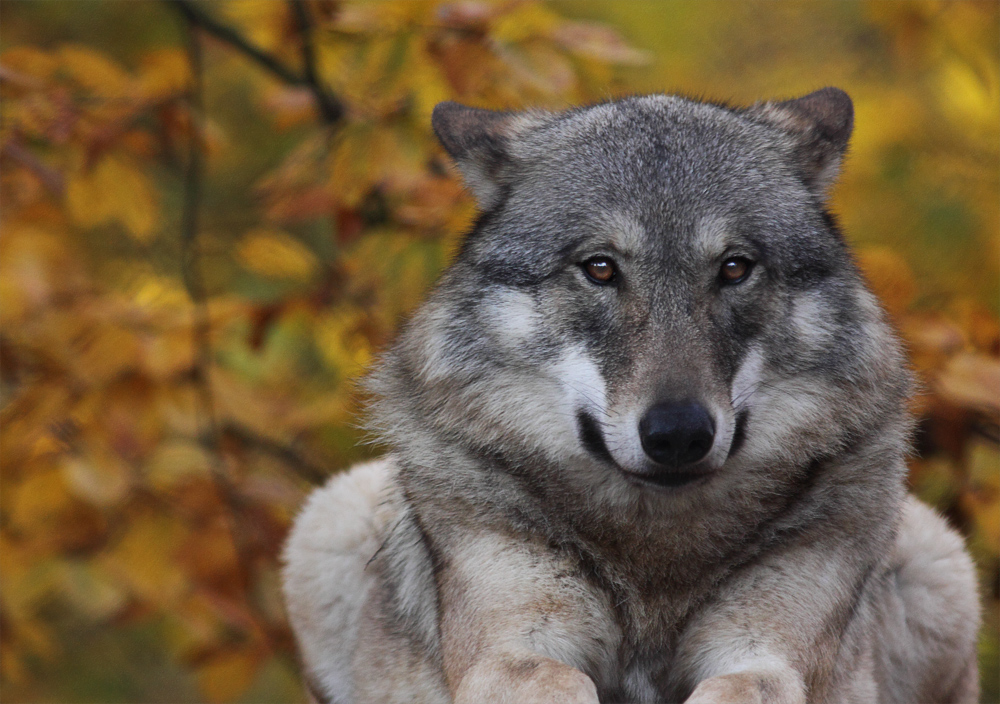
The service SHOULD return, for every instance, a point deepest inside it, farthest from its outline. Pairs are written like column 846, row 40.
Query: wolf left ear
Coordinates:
column 478, row 141
column 820, row 125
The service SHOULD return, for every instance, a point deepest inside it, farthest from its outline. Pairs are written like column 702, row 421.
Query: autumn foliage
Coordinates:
column 216, row 214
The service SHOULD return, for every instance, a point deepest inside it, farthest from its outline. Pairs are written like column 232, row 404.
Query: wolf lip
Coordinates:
column 665, row 480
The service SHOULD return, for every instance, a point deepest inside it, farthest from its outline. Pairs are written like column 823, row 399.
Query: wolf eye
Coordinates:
column 600, row 270
column 734, row 270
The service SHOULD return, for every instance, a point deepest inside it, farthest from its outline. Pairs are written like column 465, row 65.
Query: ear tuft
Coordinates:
column 820, row 124
column 477, row 140
column 463, row 129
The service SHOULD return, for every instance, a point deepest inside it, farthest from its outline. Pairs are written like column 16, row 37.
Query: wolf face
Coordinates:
column 653, row 299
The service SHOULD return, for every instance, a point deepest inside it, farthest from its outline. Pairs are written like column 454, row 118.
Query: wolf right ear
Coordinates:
column 478, row 140
column 820, row 125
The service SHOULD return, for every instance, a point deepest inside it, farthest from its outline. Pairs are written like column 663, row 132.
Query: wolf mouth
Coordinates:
column 665, row 480
column 593, row 440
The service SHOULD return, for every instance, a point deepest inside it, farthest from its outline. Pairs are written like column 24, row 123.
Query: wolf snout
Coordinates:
column 677, row 434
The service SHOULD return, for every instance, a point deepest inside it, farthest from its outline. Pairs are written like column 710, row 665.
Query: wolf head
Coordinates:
column 653, row 299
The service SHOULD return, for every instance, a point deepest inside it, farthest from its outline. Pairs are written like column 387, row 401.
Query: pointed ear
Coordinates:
column 820, row 125
column 478, row 141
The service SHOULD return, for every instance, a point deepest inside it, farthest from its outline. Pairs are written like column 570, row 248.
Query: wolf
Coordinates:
column 647, row 439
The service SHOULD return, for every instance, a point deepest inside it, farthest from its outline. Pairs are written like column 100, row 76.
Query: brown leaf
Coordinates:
column 971, row 380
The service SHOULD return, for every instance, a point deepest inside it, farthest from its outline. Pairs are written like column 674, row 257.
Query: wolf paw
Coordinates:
column 747, row 688
column 556, row 683
column 531, row 680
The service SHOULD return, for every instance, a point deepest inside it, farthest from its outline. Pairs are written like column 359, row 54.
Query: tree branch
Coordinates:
column 330, row 108
column 199, row 18
column 308, row 470
column 194, row 282
column 52, row 179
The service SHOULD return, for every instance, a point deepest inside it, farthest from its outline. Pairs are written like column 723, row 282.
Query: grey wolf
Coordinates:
column 648, row 439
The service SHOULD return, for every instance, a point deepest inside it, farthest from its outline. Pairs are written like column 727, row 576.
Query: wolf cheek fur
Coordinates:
column 648, row 438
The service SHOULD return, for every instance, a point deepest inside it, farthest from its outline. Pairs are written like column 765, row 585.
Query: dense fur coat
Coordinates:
column 647, row 274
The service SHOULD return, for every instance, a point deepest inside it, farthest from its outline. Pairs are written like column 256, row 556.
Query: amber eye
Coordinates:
column 600, row 270
column 734, row 270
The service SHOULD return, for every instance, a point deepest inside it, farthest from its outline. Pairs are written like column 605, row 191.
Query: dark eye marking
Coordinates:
column 601, row 270
column 735, row 270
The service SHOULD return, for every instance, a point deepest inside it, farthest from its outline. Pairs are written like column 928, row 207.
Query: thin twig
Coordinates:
column 210, row 434
column 331, row 109
column 49, row 177
column 305, row 468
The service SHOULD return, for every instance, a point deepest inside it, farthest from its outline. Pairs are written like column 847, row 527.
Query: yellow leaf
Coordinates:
column 966, row 97
column 341, row 345
column 160, row 293
column 262, row 21
column 164, row 72
column 192, row 625
column 275, row 254
column 175, row 462
column 525, row 22
column 40, row 498
column 144, row 559
column 102, row 480
column 96, row 72
column 984, row 465
column 35, row 266
column 226, row 677
column 430, row 85
column 169, row 353
column 90, row 590
column 114, row 190
column 984, row 508
column 28, row 61
column 354, row 163
column 329, row 409
column 101, row 352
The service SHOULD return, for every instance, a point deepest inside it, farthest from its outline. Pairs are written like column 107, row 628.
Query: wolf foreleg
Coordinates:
column 795, row 625
column 519, row 624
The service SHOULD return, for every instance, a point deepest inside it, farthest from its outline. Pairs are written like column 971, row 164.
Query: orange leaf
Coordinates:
column 229, row 675
column 890, row 277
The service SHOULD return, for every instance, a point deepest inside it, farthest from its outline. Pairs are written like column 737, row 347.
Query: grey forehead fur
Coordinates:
column 665, row 161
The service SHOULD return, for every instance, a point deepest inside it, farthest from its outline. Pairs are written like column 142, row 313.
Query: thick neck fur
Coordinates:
column 658, row 555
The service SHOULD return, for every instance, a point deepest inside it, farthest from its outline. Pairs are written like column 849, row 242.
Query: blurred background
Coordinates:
column 214, row 215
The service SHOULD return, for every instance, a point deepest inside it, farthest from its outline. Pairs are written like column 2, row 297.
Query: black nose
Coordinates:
column 676, row 434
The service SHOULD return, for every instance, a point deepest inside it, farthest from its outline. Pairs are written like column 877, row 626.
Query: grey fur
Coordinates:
column 526, row 553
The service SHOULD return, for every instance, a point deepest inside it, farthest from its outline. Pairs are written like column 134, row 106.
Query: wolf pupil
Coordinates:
column 734, row 270
column 600, row 270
